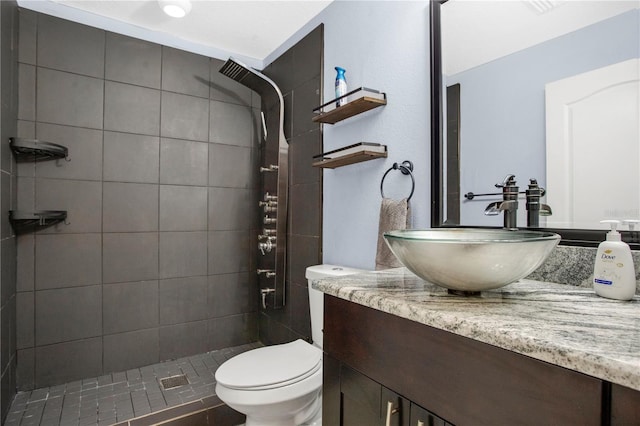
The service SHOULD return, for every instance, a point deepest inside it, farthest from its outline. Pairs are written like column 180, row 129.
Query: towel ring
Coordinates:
column 405, row 168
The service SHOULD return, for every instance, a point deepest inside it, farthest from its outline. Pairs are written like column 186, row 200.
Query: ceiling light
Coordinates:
column 175, row 8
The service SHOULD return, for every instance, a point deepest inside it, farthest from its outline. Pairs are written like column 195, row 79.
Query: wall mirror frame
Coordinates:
column 439, row 213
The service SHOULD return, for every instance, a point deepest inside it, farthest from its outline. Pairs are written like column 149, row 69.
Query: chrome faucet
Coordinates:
column 509, row 203
column 535, row 208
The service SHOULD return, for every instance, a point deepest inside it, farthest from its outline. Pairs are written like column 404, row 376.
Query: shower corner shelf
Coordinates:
column 34, row 149
column 363, row 99
column 30, row 221
column 357, row 153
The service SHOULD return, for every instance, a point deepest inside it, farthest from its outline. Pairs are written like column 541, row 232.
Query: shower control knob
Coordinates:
column 265, row 247
column 270, row 209
column 267, row 272
column 267, row 231
column 269, row 220
column 266, row 237
column 267, row 203
column 270, row 168
column 269, row 197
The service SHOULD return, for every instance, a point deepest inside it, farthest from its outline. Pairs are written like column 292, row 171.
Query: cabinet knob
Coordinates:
column 390, row 411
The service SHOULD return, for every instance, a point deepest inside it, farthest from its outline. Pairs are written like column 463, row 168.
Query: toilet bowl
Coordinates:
column 281, row 385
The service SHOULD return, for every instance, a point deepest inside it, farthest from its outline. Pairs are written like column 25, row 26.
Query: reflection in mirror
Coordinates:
column 541, row 90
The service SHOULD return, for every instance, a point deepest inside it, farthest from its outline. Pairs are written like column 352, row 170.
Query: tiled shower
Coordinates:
column 157, row 258
column 160, row 189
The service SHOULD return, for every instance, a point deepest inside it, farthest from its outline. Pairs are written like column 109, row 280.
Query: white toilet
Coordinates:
column 281, row 385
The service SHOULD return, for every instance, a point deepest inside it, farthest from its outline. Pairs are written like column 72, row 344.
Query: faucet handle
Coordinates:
column 509, row 180
column 533, row 186
column 269, row 197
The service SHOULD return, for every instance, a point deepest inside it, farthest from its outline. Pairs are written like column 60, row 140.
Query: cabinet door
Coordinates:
column 331, row 396
column 366, row 402
column 625, row 406
column 422, row 417
column 360, row 398
column 394, row 409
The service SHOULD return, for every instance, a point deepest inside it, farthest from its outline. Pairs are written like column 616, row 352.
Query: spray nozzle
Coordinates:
column 631, row 223
column 613, row 235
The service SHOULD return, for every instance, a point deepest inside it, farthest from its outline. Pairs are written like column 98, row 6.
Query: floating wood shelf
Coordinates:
column 29, row 221
column 365, row 100
column 352, row 154
column 356, row 157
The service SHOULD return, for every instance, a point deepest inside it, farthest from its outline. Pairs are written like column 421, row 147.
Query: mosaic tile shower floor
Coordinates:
column 118, row 397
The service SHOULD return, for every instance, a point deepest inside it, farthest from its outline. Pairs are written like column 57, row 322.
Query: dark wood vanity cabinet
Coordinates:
column 370, row 356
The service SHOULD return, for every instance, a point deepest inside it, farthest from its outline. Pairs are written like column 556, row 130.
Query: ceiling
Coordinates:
column 476, row 32
column 249, row 30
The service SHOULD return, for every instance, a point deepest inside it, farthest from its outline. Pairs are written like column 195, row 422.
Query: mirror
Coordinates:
column 504, row 101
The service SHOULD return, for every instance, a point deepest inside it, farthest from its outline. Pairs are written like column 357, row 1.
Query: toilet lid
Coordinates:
column 270, row 366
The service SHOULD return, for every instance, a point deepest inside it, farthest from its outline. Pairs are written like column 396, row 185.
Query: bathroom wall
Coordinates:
column 298, row 74
column 385, row 46
column 157, row 259
column 8, row 115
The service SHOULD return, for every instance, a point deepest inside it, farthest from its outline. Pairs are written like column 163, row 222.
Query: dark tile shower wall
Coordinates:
column 8, row 115
column 157, row 259
column 298, row 73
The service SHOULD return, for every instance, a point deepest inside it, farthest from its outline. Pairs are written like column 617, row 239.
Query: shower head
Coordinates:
column 234, row 70
column 249, row 77
column 260, row 84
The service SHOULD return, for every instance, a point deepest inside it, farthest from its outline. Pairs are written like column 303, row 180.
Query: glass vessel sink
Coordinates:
column 469, row 260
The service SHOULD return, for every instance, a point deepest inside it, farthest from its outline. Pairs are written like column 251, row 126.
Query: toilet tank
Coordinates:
column 316, row 298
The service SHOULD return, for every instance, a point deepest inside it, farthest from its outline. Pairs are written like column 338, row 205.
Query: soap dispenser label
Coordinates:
column 606, row 255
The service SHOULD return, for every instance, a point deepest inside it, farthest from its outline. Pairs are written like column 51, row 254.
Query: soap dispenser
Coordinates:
column 614, row 275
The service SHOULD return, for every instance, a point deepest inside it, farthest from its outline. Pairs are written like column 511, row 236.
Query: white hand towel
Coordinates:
column 394, row 215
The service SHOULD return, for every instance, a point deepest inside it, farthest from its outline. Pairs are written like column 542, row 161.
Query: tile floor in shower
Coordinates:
column 118, row 397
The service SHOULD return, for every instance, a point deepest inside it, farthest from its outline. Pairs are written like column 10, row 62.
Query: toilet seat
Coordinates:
column 270, row 367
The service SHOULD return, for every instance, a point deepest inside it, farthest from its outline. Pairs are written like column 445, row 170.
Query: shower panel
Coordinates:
column 274, row 171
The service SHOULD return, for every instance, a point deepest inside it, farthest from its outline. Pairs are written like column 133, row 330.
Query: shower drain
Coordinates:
column 174, row 381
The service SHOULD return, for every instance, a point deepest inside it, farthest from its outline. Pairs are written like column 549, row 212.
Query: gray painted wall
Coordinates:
column 158, row 258
column 8, row 114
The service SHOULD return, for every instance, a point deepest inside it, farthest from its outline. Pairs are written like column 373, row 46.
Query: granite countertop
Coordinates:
column 560, row 324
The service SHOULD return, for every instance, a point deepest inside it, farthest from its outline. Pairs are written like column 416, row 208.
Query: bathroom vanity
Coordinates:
column 528, row 353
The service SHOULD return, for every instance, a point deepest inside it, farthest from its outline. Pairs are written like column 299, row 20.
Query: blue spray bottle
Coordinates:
column 341, row 86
